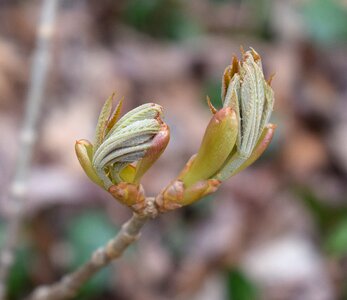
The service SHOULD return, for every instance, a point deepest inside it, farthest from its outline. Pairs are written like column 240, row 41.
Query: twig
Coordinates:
column 69, row 285
column 27, row 138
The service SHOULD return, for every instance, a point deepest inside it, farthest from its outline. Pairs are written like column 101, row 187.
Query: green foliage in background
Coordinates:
column 160, row 18
column 330, row 220
column 336, row 243
column 176, row 239
column 239, row 286
column 261, row 16
column 326, row 20
column 86, row 233
column 325, row 215
column 203, row 208
column 2, row 233
column 19, row 278
column 178, row 234
column 213, row 90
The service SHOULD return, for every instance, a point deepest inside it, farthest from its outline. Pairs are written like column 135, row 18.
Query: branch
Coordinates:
column 27, row 139
column 69, row 285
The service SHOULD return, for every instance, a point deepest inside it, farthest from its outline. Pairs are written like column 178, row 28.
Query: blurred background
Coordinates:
column 276, row 231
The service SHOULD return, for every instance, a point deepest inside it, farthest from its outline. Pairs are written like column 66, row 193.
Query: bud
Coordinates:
column 124, row 149
column 218, row 141
column 132, row 195
column 245, row 90
column 84, row 153
column 236, row 136
column 158, row 145
column 176, row 194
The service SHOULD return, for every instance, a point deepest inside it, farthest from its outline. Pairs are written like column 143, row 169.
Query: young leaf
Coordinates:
column 102, row 122
column 115, row 116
